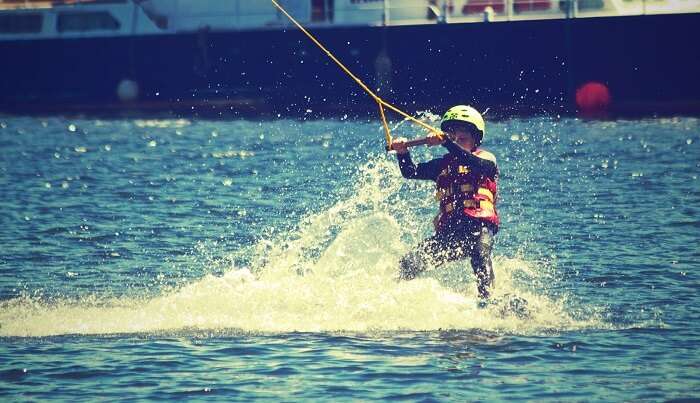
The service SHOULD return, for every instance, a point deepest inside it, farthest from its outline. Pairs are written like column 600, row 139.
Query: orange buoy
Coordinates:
column 593, row 97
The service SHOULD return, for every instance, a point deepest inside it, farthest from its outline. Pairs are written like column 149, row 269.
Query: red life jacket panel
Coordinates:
column 463, row 192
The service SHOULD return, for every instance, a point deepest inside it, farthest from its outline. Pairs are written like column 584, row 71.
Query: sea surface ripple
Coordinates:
column 256, row 259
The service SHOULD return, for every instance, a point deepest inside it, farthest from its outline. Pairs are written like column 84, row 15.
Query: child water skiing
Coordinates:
column 466, row 179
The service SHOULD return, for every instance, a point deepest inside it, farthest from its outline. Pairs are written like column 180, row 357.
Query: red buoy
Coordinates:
column 593, row 97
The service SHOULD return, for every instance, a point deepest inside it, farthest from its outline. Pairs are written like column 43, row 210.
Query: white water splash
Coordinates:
column 335, row 272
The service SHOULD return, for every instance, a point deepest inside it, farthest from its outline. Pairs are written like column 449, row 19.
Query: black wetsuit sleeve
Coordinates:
column 480, row 166
column 424, row 170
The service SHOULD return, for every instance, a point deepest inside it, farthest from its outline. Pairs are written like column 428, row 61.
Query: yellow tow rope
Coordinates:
column 380, row 102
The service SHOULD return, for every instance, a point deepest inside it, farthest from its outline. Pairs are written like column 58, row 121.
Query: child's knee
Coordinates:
column 410, row 266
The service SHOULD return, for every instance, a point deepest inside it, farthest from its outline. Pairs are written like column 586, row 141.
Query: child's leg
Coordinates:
column 432, row 252
column 481, row 261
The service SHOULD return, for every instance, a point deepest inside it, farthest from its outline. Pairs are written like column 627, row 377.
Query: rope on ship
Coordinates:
column 380, row 102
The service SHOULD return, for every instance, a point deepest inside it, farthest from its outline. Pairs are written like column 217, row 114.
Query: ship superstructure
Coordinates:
column 227, row 56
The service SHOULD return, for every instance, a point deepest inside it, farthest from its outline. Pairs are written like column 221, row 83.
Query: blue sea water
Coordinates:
column 245, row 259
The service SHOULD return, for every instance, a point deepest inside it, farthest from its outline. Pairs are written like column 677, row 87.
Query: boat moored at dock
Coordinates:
column 233, row 57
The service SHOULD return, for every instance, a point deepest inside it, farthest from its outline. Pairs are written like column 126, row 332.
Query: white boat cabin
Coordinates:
column 38, row 19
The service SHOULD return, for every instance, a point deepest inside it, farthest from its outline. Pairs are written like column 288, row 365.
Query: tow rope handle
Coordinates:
column 380, row 102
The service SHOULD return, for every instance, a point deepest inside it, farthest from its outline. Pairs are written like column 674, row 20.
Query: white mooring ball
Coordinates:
column 127, row 90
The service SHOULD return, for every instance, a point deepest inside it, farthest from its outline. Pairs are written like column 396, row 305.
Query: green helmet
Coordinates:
column 465, row 114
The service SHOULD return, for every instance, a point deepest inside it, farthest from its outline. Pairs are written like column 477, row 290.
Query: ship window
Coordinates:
column 20, row 23
column 321, row 10
column 81, row 22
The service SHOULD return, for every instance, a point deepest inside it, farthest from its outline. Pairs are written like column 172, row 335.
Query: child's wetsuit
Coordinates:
column 467, row 221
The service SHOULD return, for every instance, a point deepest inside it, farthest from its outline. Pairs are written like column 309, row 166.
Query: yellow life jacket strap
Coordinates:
column 481, row 204
column 487, row 193
column 447, row 192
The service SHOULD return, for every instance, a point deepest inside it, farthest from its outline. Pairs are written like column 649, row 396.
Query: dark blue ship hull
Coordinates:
column 650, row 64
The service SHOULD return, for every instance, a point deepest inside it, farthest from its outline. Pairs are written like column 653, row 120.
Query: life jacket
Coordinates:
column 462, row 192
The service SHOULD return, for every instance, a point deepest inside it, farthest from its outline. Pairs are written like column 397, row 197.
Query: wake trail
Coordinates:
column 335, row 272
